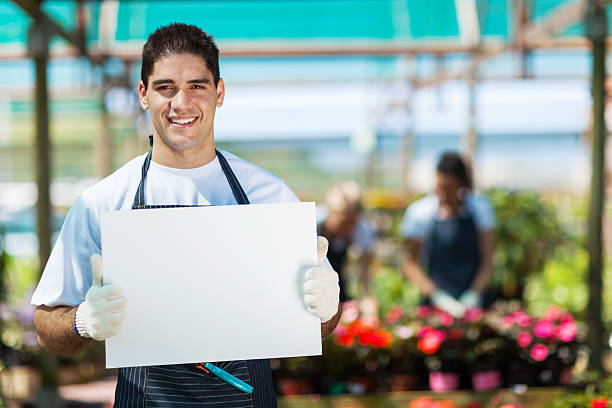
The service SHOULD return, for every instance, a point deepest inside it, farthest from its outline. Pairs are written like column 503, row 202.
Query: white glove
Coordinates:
column 321, row 289
column 446, row 302
column 470, row 299
column 102, row 313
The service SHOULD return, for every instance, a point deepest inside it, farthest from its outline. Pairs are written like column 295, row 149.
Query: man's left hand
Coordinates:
column 321, row 289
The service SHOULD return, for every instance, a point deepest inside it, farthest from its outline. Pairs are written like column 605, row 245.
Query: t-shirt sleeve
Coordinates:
column 364, row 235
column 417, row 220
column 67, row 275
column 484, row 216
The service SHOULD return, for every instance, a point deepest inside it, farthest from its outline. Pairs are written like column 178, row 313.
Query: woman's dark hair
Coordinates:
column 451, row 164
column 178, row 38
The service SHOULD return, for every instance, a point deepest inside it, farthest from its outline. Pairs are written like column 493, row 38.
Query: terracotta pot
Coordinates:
column 440, row 381
column 404, row 382
column 294, row 387
column 486, row 380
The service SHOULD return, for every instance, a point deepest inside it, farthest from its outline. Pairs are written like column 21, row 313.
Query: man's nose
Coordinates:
column 181, row 101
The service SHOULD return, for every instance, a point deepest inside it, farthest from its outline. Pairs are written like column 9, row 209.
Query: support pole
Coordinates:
column 408, row 142
column 596, row 31
column 38, row 44
column 38, row 37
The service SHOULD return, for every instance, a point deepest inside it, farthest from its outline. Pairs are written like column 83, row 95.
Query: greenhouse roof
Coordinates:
column 246, row 27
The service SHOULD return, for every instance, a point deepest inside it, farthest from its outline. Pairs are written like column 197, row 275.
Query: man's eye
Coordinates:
column 163, row 87
column 197, row 86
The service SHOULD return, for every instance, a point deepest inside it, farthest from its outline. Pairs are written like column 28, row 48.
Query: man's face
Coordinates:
column 182, row 98
column 447, row 189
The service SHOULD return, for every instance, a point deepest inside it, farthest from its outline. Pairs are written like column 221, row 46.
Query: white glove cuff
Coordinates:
column 79, row 323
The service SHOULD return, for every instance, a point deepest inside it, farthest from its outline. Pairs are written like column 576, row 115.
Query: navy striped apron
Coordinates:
column 184, row 385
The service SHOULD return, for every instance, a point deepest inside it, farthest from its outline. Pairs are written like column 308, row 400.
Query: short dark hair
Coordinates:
column 179, row 38
column 451, row 164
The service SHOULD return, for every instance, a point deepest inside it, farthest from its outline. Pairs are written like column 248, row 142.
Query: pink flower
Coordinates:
column 403, row 332
column 524, row 339
column 566, row 318
column 522, row 319
column 566, row 332
column 473, row 315
column 350, row 312
column 394, row 314
column 538, row 352
column 445, row 318
column 553, row 313
column 544, row 329
column 424, row 330
column 507, row 322
column 340, row 330
column 422, row 311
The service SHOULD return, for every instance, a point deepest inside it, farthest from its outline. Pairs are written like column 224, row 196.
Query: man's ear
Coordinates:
column 142, row 95
column 220, row 92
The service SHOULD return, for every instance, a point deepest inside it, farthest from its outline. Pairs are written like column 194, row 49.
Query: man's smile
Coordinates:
column 181, row 121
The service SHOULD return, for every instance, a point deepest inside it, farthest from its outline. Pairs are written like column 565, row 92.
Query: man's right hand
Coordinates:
column 102, row 313
column 446, row 302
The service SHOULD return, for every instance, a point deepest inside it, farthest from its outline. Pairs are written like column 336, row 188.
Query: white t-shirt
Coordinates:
column 67, row 275
column 420, row 216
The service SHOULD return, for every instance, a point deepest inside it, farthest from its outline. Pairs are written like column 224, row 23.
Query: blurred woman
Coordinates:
column 449, row 240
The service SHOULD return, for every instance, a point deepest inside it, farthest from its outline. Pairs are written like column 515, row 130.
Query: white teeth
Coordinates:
column 181, row 121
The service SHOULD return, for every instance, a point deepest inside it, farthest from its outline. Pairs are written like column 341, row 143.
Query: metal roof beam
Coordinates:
column 536, row 31
column 32, row 8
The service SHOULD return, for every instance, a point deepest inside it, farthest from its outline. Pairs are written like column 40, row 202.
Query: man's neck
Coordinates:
column 183, row 159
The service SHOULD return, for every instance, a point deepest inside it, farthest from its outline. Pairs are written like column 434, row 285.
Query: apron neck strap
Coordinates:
column 239, row 194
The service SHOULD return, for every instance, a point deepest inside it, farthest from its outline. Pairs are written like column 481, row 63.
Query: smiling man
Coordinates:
column 181, row 87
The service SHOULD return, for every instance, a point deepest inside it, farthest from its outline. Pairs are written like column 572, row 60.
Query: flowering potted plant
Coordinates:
column 548, row 342
column 441, row 342
column 368, row 344
column 485, row 350
column 405, row 365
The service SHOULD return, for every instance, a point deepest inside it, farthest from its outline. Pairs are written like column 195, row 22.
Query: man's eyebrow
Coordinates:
column 199, row 81
column 162, row 81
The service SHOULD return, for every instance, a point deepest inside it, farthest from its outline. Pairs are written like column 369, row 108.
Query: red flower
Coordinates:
column 357, row 328
column 345, row 340
column 394, row 314
column 599, row 403
column 376, row 339
column 423, row 402
column 524, row 339
column 538, row 352
column 431, row 342
column 544, row 329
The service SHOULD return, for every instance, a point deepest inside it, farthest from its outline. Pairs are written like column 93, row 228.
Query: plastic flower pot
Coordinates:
column 486, row 380
column 441, row 381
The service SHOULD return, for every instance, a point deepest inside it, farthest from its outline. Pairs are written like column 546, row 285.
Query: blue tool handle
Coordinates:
column 228, row 378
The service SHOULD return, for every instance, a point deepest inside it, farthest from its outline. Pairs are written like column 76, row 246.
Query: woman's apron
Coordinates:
column 184, row 385
column 454, row 255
